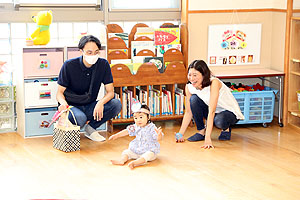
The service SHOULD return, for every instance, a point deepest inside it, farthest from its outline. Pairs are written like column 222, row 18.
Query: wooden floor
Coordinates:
column 258, row 163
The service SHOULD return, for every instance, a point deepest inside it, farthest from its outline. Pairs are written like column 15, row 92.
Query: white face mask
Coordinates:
column 91, row 59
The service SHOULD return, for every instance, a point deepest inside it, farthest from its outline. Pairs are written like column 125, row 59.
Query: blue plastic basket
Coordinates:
column 256, row 106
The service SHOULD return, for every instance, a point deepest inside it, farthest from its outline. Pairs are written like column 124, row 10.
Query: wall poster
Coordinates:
column 234, row 44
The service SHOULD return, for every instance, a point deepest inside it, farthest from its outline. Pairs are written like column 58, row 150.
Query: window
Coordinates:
column 57, row 3
column 144, row 4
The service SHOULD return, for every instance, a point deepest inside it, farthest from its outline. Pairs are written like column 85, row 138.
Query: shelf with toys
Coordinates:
column 7, row 101
column 154, row 74
column 37, row 87
column 293, row 76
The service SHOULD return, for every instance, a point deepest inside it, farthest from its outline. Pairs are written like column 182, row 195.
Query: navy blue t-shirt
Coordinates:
column 75, row 76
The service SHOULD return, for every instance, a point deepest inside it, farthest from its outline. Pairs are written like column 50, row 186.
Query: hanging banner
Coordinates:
column 234, row 44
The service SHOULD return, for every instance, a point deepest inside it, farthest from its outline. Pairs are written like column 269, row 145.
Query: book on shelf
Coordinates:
column 123, row 36
column 123, row 50
column 137, row 46
column 119, row 61
column 144, row 31
column 165, row 36
column 161, row 49
column 157, row 61
column 138, row 59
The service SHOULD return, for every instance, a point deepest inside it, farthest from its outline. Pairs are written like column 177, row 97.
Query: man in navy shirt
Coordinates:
column 83, row 75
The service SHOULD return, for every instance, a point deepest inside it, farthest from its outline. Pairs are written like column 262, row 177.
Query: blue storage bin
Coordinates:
column 256, row 106
column 36, row 121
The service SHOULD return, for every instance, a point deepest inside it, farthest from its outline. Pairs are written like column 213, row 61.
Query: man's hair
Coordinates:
column 89, row 38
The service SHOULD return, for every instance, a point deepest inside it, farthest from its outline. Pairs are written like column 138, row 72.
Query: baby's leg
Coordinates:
column 120, row 161
column 126, row 155
column 148, row 156
column 137, row 162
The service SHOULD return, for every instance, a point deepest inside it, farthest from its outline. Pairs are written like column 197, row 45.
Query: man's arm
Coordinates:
column 98, row 111
column 60, row 97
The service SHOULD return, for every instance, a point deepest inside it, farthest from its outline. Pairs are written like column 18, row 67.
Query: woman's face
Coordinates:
column 195, row 77
column 140, row 119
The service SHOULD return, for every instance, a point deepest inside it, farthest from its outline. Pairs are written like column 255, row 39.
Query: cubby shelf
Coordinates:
column 294, row 75
column 147, row 74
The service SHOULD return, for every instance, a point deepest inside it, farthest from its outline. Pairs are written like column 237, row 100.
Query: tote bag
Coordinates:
column 66, row 136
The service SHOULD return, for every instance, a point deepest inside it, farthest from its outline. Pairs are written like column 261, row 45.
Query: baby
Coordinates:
column 145, row 146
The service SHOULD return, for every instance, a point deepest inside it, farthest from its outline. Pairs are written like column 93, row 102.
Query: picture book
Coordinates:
column 167, row 36
column 161, row 49
column 157, row 61
column 137, row 46
column 123, row 36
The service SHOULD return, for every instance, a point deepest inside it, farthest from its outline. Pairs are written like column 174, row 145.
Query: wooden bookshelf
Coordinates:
column 294, row 75
column 147, row 74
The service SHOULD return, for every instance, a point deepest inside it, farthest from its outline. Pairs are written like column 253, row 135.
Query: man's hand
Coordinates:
column 63, row 107
column 98, row 111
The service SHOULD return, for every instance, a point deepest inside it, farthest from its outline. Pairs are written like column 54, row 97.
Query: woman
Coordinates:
column 210, row 98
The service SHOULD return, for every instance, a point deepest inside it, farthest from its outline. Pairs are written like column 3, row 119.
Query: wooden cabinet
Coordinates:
column 148, row 78
column 294, row 75
column 148, row 75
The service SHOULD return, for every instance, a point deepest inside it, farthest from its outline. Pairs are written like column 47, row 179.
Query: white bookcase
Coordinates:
column 37, row 87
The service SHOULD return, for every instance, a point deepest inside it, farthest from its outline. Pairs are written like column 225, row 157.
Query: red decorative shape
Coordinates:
column 162, row 38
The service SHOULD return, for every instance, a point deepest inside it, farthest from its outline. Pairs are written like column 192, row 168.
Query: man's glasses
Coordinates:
column 91, row 53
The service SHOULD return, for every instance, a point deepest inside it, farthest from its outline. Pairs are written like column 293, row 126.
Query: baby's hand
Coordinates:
column 113, row 137
column 159, row 131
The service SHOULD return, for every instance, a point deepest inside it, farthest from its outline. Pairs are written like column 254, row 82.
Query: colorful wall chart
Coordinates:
column 234, row 44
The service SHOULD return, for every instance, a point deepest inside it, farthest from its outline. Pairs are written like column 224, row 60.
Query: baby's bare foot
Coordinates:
column 131, row 165
column 117, row 162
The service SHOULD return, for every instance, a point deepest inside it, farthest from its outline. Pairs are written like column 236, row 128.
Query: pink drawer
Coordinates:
column 42, row 63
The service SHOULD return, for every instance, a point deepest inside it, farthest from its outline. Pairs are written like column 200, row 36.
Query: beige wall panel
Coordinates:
column 278, row 40
column 198, row 33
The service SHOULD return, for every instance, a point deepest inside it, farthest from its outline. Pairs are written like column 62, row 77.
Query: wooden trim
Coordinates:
column 289, row 15
column 296, row 11
column 237, row 10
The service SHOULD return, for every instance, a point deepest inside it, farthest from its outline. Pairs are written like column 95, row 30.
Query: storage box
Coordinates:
column 40, row 93
column 6, row 108
column 36, row 121
column 42, row 62
column 257, row 106
column 6, row 93
column 7, row 124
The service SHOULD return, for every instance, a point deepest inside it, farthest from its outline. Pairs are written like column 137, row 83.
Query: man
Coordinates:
column 79, row 82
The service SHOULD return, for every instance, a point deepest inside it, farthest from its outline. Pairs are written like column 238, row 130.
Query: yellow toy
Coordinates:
column 41, row 36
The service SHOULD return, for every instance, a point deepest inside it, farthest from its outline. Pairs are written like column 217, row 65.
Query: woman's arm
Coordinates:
column 119, row 134
column 214, row 96
column 187, row 117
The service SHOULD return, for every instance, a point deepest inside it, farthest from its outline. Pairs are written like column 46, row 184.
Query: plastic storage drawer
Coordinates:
column 40, row 93
column 6, row 108
column 37, row 120
column 6, row 93
column 42, row 62
column 7, row 124
column 257, row 106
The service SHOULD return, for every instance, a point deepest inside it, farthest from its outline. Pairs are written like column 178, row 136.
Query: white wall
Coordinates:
column 296, row 4
column 237, row 4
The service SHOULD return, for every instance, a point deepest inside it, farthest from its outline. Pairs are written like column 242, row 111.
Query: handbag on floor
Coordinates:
column 66, row 136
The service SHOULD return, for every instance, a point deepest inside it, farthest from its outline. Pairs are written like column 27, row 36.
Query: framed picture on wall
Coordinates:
column 234, row 44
